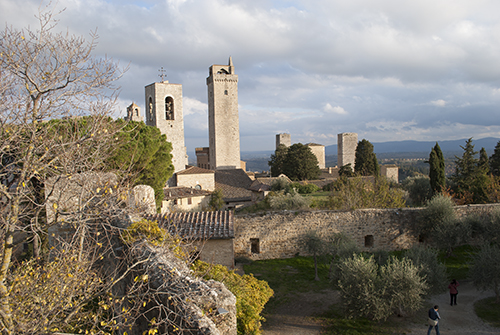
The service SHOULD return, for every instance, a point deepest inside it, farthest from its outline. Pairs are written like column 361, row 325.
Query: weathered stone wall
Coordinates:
column 218, row 252
column 205, row 180
column 277, row 234
column 223, row 119
column 319, row 151
column 390, row 171
column 284, row 138
column 170, row 123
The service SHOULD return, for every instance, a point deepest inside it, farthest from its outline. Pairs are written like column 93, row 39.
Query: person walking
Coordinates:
column 434, row 319
column 453, row 292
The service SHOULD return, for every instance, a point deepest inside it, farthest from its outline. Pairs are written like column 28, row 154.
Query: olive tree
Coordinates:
column 485, row 269
column 315, row 245
column 375, row 292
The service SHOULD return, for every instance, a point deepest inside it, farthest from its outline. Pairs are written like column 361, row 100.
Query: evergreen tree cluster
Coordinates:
column 366, row 163
column 297, row 162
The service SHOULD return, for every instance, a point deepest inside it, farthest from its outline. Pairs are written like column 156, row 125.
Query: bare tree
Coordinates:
column 45, row 75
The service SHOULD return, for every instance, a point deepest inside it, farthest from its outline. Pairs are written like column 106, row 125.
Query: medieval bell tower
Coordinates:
column 223, row 119
column 164, row 111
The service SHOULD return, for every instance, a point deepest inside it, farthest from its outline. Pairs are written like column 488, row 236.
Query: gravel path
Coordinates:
column 296, row 316
column 459, row 319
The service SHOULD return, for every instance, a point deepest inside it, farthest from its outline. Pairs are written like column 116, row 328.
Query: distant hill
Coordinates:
column 257, row 160
column 488, row 143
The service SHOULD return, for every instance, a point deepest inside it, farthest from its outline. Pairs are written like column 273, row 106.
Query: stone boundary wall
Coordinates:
column 276, row 234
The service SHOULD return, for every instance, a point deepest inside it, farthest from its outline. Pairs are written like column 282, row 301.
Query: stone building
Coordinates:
column 346, row 149
column 391, row 171
column 319, row 151
column 223, row 119
column 284, row 139
column 184, row 199
column 235, row 186
column 134, row 113
column 195, row 177
column 203, row 157
column 211, row 232
column 164, row 111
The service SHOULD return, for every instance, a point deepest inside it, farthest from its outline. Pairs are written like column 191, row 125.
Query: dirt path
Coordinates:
column 297, row 316
column 459, row 319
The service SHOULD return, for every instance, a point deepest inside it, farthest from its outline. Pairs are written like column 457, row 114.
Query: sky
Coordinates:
column 388, row 70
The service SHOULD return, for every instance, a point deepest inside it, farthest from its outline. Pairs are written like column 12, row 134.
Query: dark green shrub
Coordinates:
column 439, row 208
column 419, row 190
column 308, row 188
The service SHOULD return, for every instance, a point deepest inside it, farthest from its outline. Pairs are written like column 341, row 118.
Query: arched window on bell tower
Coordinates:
column 169, row 108
column 150, row 108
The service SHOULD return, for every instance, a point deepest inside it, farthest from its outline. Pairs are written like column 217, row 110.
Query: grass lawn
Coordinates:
column 488, row 310
column 457, row 265
column 286, row 276
column 289, row 275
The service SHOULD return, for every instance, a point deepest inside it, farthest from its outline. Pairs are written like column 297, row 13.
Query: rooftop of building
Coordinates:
column 194, row 170
column 180, row 192
column 234, row 184
column 197, row 225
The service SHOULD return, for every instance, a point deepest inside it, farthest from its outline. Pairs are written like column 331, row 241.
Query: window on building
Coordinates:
column 369, row 241
column 150, row 112
column 169, row 108
column 226, row 92
column 136, row 112
column 255, row 245
column 175, row 201
column 189, row 201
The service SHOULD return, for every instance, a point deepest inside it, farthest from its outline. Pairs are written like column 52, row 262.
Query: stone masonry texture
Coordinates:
column 278, row 233
column 346, row 149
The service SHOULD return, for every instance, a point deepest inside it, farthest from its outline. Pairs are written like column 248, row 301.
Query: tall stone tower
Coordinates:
column 164, row 111
column 284, row 139
column 134, row 113
column 223, row 119
column 346, row 149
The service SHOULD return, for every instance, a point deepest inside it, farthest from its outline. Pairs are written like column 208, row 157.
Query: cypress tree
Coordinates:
column 495, row 161
column 366, row 163
column 436, row 170
column 484, row 164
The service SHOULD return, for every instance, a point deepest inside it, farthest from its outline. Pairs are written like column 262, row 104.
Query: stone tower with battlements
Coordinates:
column 346, row 149
column 134, row 113
column 164, row 111
column 223, row 119
column 284, row 138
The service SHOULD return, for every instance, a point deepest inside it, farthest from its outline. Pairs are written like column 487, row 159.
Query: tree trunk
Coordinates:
column 316, row 277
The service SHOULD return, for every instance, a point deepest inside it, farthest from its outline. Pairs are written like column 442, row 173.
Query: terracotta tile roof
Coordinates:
column 197, row 225
column 194, row 170
column 181, row 192
column 234, row 184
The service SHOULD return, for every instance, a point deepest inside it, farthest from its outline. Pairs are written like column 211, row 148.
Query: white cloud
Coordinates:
column 336, row 110
column 313, row 69
column 438, row 103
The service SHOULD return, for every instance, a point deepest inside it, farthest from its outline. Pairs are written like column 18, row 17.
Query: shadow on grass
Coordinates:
column 489, row 311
